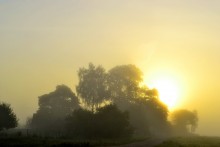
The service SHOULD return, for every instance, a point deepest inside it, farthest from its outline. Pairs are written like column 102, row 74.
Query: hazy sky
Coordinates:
column 43, row 44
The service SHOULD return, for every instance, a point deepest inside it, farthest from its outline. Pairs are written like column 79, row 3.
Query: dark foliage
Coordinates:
column 80, row 124
column 107, row 123
column 8, row 118
column 112, row 123
column 53, row 108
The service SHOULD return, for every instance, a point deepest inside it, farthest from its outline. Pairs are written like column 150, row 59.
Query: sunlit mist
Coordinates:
column 168, row 87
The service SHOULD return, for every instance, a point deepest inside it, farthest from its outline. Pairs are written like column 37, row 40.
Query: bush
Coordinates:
column 107, row 123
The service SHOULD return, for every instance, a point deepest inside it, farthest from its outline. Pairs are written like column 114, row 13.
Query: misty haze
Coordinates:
column 109, row 73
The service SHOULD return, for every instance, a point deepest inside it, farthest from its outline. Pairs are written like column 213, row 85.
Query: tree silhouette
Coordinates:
column 53, row 108
column 113, row 123
column 92, row 88
column 147, row 113
column 108, row 122
column 8, row 118
column 62, row 101
column 184, row 121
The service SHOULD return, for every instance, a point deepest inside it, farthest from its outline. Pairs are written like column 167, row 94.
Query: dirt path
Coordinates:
column 147, row 143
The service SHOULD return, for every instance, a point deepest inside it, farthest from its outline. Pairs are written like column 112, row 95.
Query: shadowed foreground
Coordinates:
column 146, row 143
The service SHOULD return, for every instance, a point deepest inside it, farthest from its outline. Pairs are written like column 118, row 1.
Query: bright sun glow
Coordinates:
column 168, row 88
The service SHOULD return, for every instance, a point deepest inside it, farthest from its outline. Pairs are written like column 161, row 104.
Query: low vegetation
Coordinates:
column 193, row 141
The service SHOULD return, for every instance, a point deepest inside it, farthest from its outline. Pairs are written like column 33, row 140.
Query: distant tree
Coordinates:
column 107, row 123
column 184, row 121
column 8, row 118
column 92, row 88
column 53, row 109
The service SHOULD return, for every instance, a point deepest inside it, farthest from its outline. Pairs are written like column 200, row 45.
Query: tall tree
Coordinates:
column 147, row 113
column 124, row 82
column 8, row 118
column 92, row 86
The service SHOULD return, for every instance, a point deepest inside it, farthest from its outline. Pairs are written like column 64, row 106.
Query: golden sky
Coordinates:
column 43, row 43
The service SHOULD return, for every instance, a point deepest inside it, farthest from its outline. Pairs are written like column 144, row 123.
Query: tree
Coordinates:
column 113, row 123
column 107, row 122
column 53, row 109
column 62, row 101
column 148, row 114
column 8, row 118
column 124, row 82
column 184, row 121
column 121, row 86
column 80, row 124
column 92, row 88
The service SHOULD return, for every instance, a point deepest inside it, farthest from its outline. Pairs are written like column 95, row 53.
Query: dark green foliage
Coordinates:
column 8, row 118
column 107, row 123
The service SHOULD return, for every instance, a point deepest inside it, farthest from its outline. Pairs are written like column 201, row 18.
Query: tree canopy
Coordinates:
column 184, row 121
column 53, row 109
column 92, row 88
column 121, row 86
column 62, row 101
column 124, row 81
column 8, row 119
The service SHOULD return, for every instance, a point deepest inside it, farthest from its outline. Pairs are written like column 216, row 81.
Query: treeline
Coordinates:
column 107, row 104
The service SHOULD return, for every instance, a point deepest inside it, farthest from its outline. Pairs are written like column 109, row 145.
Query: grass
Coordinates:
column 193, row 141
column 37, row 141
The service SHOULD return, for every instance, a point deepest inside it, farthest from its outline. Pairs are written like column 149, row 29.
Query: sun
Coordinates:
column 168, row 88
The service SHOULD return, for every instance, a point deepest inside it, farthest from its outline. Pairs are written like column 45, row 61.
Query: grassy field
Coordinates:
column 36, row 141
column 195, row 141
